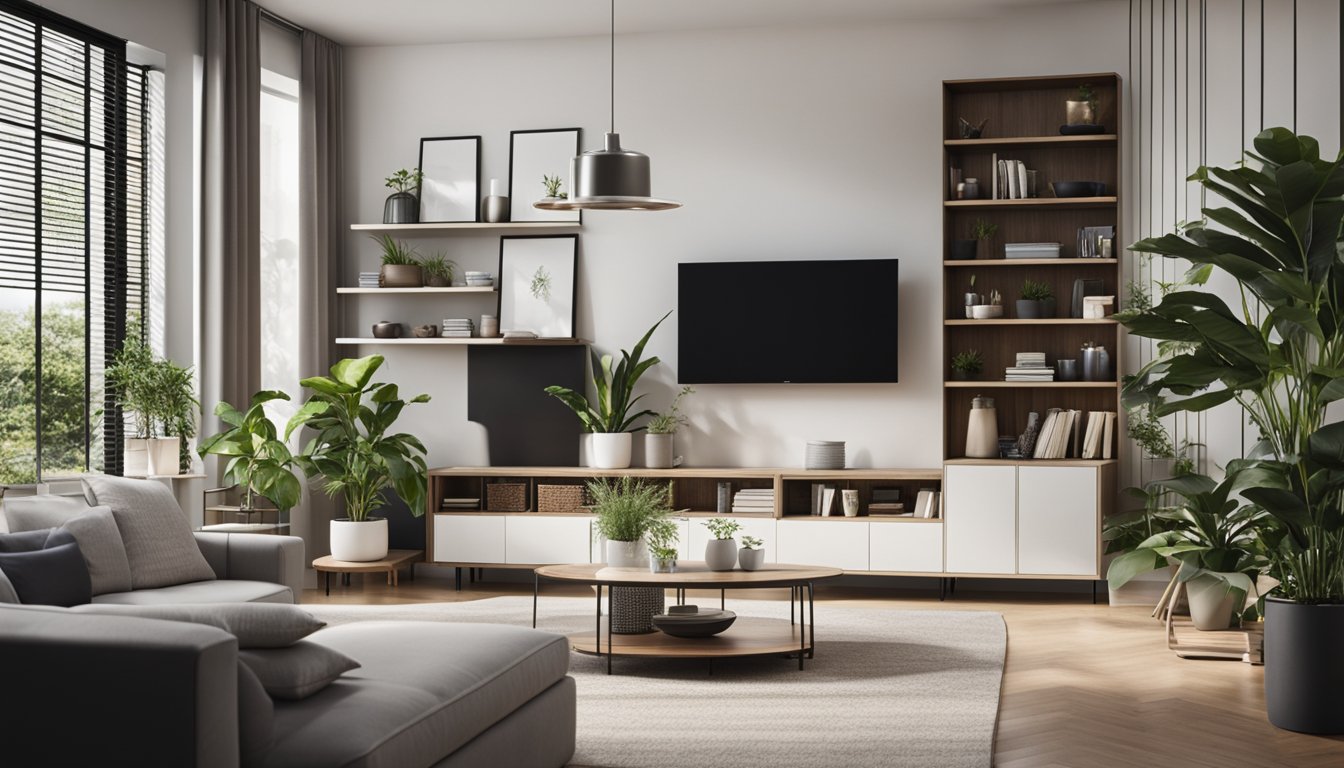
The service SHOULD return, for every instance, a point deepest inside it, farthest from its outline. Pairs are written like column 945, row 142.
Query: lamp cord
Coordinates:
column 613, row 66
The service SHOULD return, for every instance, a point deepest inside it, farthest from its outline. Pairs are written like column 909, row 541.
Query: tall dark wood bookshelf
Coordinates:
column 1025, row 115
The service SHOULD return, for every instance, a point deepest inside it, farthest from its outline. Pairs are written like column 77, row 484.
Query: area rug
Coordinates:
column 886, row 688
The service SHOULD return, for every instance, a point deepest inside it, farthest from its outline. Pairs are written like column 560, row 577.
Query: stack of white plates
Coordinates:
column 460, row 328
column 479, row 279
column 825, row 454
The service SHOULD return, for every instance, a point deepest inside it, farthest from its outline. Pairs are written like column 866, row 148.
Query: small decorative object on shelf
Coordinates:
column 1097, row 307
column 1026, row 444
column 825, row 454
column 982, row 429
column 1093, row 242
column 425, row 331
column 479, row 279
column 1082, row 109
column 993, row 309
column 386, row 330
column 662, row 540
column 1030, row 367
column 752, row 554
column 457, row 327
column 972, row 298
column 1066, row 369
column 1038, row 301
column 662, row 432
column 1031, row 250
column 506, row 497
column 489, row 326
column 970, row 189
column 559, row 499
column 849, row 500
column 1082, row 288
column 968, row 130
column 983, row 231
column 452, row 189
column 402, row 206
column 1096, row 362
column 1078, row 188
column 401, row 265
column 438, row 271
column 967, row 364
column 955, row 186
column 495, row 207
column 692, row 621
column 721, row 551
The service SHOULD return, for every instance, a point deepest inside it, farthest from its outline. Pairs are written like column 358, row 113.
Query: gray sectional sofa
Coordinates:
column 89, row 689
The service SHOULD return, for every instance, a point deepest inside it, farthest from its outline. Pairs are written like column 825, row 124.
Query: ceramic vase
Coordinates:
column 610, row 450
column 627, row 554
column 658, row 451
column 1213, row 603
column 164, row 456
column 721, row 554
column 135, row 457
column 359, row 542
column 401, row 208
column 401, row 276
column 751, row 559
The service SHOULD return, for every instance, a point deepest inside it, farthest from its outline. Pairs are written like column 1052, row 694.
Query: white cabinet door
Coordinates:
column 905, row 547
column 817, row 542
column 469, row 539
column 978, row 511
column 540, row 539
column 1057, row 521
column 761, row 528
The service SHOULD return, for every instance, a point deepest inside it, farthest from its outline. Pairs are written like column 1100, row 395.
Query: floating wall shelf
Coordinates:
column 432, row 228
column 1030, row 141
column 1036, row 202
column 443, row 340
column 454, row 289
column 1028, row 262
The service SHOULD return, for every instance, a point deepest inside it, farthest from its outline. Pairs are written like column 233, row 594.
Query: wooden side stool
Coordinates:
column 396, row 558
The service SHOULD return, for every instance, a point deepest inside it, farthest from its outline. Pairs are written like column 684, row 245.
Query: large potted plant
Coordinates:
column 611, row 418
column 630, row 515
column 160, row 395
column 357, row 455
column 258, row 461
column 1283, row 362
column 660, row 436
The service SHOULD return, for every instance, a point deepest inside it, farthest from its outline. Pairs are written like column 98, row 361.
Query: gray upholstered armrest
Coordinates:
column 135, row 691
column 255, row 557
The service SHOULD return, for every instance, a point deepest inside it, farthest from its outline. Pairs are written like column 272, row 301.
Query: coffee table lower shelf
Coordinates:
column 747, row 637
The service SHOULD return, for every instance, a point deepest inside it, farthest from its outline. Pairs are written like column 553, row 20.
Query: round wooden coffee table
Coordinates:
column 747, row 637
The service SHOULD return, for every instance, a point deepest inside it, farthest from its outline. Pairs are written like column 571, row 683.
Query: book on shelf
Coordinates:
column 827, row 501
column 1100, row 429
column 927, row 504
column 1009, row 178
column 1089, row 241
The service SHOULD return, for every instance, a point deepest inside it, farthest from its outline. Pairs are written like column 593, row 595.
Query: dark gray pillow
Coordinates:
column 95, row 530
column 256, row 718
column 159, row 544
column 256, row 625
column 298, row 671
column 7, row 593
column 53, row 574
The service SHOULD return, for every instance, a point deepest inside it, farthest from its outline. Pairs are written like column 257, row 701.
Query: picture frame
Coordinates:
column 537, row 153
column 537, row 277
column 450, row 191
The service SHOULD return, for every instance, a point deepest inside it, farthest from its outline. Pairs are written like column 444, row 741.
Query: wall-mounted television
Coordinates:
column 801, row 322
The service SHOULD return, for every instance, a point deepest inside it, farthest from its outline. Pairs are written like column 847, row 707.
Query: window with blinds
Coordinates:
column 73, row 244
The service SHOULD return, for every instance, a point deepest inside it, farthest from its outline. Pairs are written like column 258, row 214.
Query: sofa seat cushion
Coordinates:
column 423, row 690
column 222, row 591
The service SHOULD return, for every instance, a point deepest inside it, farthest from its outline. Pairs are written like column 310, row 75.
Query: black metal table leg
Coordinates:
column 802, row 632
column 793, row 596
column 536, row 584
column 723, row 604
column 328, row 580
column 811, row 622
column 611, row 613
column 457, row 577
column 597, row 624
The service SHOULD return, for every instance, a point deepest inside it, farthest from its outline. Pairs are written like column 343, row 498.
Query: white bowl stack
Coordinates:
column 825, row 454
column 479, row 279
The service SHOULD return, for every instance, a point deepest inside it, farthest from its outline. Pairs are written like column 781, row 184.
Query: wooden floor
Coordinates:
column 1085, row 685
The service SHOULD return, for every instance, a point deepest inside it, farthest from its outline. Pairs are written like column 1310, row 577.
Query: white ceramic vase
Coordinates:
column 610, row 450
column 627, row 554
column 360, row 542
column 135, row 457
column 751, row 559
column 1213, row 603
column 721, row 554
column 164, row 458
column 658, row 450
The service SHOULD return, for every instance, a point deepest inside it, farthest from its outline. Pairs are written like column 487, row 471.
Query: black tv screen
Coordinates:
column 802, row 322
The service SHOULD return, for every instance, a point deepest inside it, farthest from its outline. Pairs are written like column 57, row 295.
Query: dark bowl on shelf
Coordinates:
column 705, row 623
column 386, row 330
column 1079, row 188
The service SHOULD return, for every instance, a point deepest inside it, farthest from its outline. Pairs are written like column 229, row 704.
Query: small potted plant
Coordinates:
column 966, row 365
column 438, row 271
column 402, row 206
column 983, row 231
column 610, row 419
column 662, row 540
column 662, row 431
column 160, row 394
column 752, row 554
column 1082, row 109
column 553, row 193
column 625, row 510
column 401, row 265
column 721, row 551
column 1037, row 300
column 258, row 461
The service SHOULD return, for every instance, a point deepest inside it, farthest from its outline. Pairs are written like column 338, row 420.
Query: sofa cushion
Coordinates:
column 256, row 625
column 423, row 690
column 298, row 671
column 93, row 527
column 256, row 717
column 53, row 574
column 221, row 591
column 7, row 593
column 159, row 544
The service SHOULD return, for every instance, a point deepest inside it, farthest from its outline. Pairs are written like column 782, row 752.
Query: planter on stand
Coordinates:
column 359, row 542
column 135, row 456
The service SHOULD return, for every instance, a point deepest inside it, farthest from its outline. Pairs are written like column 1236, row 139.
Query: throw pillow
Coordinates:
column 44, row 510
column 53, row 574
column 7, row 593
column 298, row 671
column 159, row 544
column 95, row 530
column 256, row 718
column 256, row 625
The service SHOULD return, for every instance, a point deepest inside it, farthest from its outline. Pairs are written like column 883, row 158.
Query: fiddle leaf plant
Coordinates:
column 354, row 449
column 614, row 387
column 259, row 462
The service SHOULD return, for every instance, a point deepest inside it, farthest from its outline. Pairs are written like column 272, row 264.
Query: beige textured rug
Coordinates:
column 887, row 688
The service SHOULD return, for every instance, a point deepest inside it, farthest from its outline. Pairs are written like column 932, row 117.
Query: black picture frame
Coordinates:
column 519, row 206
column 509, row 284
column 459, row 208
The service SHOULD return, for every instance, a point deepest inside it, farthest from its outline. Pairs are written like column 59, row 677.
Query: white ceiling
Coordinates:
column 418, row 22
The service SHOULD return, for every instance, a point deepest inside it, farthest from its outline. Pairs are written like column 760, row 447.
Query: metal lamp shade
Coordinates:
column 609, row 179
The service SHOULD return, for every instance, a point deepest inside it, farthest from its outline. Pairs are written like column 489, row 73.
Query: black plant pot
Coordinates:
column 401, row 208
column 1028, row 309
column 960, row 375
column 1304, row 668
column 1048, row 307
column 962, row 250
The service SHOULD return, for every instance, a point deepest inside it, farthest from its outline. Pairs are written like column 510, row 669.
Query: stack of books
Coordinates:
column 758, row 500
column 457, row 328
column 460, row 503
column 928, row 504
column 888, row 509
column 1031, row 250
column 1010, row 179
column 1056, row 440
column 368, row 280
column 1030, row 367
column 1097, row 438
column 1090, row 242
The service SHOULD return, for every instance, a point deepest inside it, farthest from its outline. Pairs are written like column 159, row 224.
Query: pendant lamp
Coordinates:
column 610, row 178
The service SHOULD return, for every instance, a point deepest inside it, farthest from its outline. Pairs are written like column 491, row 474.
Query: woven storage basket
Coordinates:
column 506, row 497
column 559, row 498
column 633, row 608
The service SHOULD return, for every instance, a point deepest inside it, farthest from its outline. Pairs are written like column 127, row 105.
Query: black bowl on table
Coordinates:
column 705, row 622
column 1079, row 188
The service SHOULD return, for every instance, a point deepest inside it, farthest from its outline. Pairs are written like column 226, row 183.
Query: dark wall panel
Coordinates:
column 526, row 426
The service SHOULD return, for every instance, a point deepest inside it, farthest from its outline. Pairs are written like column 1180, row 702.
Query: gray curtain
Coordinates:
column 320, row 186
column 230, row 367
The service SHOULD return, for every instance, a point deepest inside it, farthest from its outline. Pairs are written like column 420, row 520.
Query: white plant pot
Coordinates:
column 721, row 554
column 135, row 457
column 658, row 451
column 360, row 542
column 610, row 450
column 1213, row 603
column 164, row 458
column 751, row 559
column 627, row 554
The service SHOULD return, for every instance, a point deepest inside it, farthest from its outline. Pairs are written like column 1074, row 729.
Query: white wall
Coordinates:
column 171, row 28
column 782, row 144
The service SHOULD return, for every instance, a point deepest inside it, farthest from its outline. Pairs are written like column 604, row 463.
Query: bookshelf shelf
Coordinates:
column 390, row 291
column 1041, row 321
column 976, row 263
column 1037, row 202
column 447, row 341
column 996, row 384
column 1010, row 142
column 431, row 229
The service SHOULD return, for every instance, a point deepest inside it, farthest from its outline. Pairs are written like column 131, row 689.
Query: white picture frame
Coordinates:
column 525, row 261
column 532, row 155
column 450, row 190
